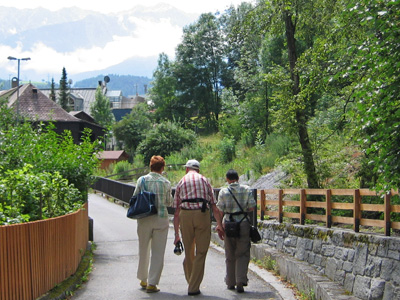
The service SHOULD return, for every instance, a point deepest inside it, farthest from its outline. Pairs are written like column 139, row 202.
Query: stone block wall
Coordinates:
column 366, row 265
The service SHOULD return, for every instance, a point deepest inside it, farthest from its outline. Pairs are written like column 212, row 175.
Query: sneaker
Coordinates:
column 239, row 288
column 152, row 289
column 143, row 284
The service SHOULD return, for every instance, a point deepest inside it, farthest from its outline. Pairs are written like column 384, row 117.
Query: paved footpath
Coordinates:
column 116, row 258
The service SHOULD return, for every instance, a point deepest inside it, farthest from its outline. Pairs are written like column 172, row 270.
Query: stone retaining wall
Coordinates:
column 366, row 265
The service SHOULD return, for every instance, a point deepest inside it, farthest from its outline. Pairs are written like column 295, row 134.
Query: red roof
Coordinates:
column 111, row 154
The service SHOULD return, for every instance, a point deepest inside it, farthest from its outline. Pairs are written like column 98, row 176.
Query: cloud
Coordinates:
column 149, row 39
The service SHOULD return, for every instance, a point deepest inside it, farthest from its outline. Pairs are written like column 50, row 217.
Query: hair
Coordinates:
column 157, row 163
column 232, row 175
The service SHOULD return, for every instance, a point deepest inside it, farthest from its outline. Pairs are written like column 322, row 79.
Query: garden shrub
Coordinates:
column 164, row 139
column 25, row 196
column 120, row 167
column 43, row 174
column 228, row 149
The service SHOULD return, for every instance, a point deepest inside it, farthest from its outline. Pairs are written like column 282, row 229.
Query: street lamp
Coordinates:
column 18, row 59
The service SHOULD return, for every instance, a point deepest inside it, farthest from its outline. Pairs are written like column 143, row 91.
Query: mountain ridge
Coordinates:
column 74, row 31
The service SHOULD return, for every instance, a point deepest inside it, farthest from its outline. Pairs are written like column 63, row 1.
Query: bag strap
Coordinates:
column 237, row 202
column 143, row 184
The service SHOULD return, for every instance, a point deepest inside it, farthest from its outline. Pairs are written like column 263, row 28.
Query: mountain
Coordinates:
column 76, row 39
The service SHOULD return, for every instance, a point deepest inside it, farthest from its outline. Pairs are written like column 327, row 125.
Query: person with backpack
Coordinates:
column 235, row 201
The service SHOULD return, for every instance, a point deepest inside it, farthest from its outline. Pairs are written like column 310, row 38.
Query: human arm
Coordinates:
column 218, row 217
column 138, row 186
column 176, row 224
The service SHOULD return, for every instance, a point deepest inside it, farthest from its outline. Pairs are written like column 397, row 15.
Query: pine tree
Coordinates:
column 64, row 91
column 52, row 90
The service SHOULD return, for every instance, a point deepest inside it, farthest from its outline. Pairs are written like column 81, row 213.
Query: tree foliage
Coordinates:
column 101, row 109
column 43, row 174
column 317, row 70
column 199, row 67
column 64, row 90
column 163, row 91
column 376, row 89
column 165, row 138
column 132, row 129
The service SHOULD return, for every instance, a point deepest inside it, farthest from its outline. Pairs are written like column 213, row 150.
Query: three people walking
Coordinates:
column 194, row 197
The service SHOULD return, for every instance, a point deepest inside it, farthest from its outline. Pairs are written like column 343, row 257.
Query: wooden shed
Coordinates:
column 111, row 157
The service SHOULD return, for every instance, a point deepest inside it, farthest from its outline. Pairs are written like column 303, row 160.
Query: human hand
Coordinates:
column 221, row 232
column 177, row 238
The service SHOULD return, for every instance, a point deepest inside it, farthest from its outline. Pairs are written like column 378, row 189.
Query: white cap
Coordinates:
column 193, row 164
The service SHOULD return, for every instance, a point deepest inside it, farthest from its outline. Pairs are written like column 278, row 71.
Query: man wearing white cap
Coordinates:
column 193, row 198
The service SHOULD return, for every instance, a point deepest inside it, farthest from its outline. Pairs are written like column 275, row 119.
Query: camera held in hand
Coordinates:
column 178, row 248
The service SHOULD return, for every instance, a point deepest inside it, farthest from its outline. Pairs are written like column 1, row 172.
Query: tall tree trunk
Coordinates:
column 266, row 109
column 301, row 119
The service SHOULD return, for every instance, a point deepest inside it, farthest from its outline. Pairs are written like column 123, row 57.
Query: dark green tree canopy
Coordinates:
column 64, row 90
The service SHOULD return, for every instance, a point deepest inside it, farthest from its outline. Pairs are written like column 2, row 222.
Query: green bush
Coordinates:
column 25, row 196
column 230, row 126
column 228, row 149
column 164, row 139
column 120, row 167
column 48, row 151
column 43, row 174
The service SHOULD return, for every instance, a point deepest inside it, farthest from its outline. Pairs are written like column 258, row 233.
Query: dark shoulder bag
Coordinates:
column 142, row 205
column 255, row 236
column 232, row 227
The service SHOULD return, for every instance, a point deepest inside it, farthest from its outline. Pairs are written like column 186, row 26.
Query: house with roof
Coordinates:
column 30, row 104
column 81, row 99
column 111, row 157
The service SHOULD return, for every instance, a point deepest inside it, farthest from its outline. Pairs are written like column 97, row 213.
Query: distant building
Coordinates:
column 111, row 157
column 36, row 107
column 81, row 99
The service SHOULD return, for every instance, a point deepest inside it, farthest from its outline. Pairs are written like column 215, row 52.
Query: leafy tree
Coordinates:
column 199, row 69
column 163, row 91
column 164, row 139
column 291, row 29
column 101, row 109
column 64, row 90
column 375, row 87
column 132, row 129
column 245, row 32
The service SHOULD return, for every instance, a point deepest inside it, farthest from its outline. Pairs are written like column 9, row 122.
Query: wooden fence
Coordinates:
column 36, row 256
column 275, row 203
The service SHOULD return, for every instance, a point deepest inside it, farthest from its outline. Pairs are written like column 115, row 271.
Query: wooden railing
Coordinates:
column 36, row 256
column 275, row 203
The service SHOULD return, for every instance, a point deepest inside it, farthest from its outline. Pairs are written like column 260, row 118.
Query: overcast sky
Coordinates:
column 107, row 6
column 157, row 37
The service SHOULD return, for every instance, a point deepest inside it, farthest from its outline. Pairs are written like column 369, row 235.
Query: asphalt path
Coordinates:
column 116, row 258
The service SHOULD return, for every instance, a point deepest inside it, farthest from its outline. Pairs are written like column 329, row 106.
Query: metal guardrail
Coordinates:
column 141, row 172
column 123, row 192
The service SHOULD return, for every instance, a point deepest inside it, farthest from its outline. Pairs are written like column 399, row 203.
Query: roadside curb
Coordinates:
column 285, row 292
column 299, row 273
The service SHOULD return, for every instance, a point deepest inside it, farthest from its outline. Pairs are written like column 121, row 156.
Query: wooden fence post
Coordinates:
column 387, row 213
column 328, row 211
column 357, row 210
column 262, row 204
column 303, row 208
